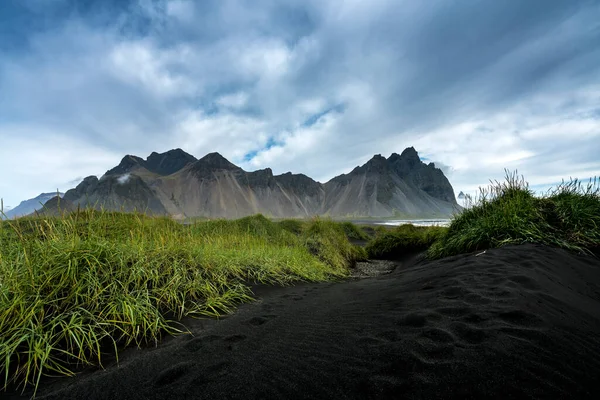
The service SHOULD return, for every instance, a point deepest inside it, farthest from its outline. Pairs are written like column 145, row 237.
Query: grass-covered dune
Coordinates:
column 404, row 239
column 505, row 213
column 76, row 286
column 509, row 213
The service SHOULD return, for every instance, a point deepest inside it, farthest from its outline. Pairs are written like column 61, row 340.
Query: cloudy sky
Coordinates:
column 310, row 86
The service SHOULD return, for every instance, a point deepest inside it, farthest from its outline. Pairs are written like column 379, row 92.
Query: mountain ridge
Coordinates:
column 29, row 206
column 176, row 183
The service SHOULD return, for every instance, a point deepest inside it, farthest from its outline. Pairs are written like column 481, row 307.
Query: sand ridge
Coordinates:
column 516, row 322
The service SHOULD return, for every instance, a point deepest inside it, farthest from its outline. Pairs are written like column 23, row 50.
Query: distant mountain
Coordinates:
column 399, row 185
column 27, row 207
column 176, row 183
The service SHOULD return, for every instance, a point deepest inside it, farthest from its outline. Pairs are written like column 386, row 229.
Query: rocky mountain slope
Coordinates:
column 178, row 184
column 399, row 185
column 56, row 206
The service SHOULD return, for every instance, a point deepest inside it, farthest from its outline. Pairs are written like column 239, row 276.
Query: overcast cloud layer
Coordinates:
column 308, row 86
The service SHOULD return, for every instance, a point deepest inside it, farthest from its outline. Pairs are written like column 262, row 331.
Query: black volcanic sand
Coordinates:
column 517, row 322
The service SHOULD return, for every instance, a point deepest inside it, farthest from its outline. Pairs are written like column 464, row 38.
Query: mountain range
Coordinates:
column 27, row 207
column 176, row 183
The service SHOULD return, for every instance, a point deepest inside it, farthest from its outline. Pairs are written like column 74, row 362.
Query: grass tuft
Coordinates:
column 509, row 213
column 404, row 239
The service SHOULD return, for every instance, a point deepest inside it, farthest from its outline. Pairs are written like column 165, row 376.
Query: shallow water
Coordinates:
column 415, row 222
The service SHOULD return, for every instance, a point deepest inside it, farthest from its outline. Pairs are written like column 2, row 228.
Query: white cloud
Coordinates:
column 141, row 63
column 235, row 100
column 183, row 10
column 123, row 179
column 265, row 59
column 228, row 134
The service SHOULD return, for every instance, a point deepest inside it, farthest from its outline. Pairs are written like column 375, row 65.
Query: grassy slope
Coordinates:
column 71, row 285
column 401, row 240
column 509, row 213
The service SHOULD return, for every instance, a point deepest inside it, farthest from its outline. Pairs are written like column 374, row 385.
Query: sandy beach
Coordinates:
column 516, row 322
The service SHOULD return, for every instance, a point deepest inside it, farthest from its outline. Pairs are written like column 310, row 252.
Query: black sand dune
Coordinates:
column 517, row 322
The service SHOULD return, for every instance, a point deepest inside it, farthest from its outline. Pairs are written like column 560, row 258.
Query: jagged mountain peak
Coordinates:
column 409, row 152
column 376, row 164
column 160, row 163
column 174, row 153
column 216, row 161
column 127, row 163
column 89, row 179
column 168, row 162
column 409, row 156
column 377, row 159
column 265, row 171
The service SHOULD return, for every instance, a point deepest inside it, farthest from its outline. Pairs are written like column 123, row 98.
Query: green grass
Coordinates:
column 508, row 213
column 353, row 231
column 75, row 287
column 404, row 239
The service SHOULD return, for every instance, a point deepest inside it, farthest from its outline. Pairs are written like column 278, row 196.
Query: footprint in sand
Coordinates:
column 474, row 318
column 454, row 292
column 197, row 343
column 211, row 373
column 476, row 299
column 369, row 341
column 468, row 333
column 235, row 338
column 525, row 282
column 173, row 374
column 257, row 321
column 415, row 320
column 388, row 336
column 454, row 311
column 521, row 318
column 438, row 335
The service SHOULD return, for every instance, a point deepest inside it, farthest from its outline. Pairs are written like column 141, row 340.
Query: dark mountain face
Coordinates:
column 112, row 192
column 262, row 178
column 176, row 183
column 56, row 206
column 425, row 177
column 85, row 189
column 205, row 167
column 170, row 162
column 400, row 185
column 215, row 161
column 127, row 164
column 299, row 183
column 162, row 164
